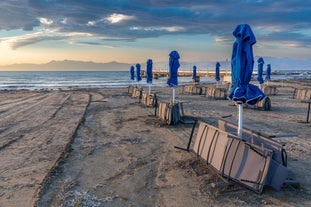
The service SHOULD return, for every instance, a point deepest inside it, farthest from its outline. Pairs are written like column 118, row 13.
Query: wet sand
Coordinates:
column 100, row 147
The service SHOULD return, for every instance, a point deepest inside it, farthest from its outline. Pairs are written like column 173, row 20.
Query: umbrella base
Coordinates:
column 170, row 113
column 130, row 89
column 137, row 92
column 148, row 100
column 192, row 89
column 303, row 94
column 264, row 105
column 269, row 90
column 219, row 93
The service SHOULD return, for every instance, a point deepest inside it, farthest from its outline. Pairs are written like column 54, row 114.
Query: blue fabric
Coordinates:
column 138, row 77
column 194, row 73
column 242, row 62
column 173, row 69
column 149, row 71
column 132, row 73
column 260, row 69
column 217, row 73
column 268, row 72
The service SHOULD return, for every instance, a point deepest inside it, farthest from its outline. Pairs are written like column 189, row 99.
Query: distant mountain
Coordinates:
column 72, row 65
column 69, row 65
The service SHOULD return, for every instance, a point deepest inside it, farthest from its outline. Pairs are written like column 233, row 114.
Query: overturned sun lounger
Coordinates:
column 254, row 164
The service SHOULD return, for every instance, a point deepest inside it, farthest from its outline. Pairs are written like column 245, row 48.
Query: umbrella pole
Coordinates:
column 240, row 121
column 149, row 89
column 173, row 95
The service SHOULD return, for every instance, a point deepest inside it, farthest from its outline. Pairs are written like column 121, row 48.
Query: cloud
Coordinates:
column 168, row 29
column 45, row 21
column 28, row 39
column 130, row 20
column 115, row 18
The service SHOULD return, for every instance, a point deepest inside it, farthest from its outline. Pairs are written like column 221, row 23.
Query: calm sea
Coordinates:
column 58, row 79
column 80, row 79
column 71, row 79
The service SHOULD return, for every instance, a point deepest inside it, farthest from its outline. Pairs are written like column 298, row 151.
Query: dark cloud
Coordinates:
column 153, row 18
column 16, row 15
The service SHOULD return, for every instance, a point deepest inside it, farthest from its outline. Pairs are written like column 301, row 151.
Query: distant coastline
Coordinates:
column 68, row 65
column 277, row 64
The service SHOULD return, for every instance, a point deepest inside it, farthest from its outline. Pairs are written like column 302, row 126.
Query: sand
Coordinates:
column 100, row 147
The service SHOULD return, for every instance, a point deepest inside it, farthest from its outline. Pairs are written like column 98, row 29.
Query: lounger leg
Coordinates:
column 308, row 113
column 190, row 139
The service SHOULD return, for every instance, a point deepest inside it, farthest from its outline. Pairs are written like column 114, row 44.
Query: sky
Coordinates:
column 132, row 31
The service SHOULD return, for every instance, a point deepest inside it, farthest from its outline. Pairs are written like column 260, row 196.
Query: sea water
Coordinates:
column 74, row 79
column 51, row 80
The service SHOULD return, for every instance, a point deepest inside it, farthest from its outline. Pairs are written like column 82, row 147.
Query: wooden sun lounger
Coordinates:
column 238, row 160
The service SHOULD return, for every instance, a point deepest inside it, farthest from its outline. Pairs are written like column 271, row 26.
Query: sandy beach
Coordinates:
column 100, row 147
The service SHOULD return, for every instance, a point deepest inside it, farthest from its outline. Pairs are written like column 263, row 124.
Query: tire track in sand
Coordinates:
column 27, row 163
column 20, row 119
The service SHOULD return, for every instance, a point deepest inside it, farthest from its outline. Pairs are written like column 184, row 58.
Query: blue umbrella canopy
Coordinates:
column 194, row 73
column 132, row 73
column 268, row 72
column 242, row 62
column 260, row 69
column 217, row 73
column 138, row 77
column 149, row 71
column 173, row 69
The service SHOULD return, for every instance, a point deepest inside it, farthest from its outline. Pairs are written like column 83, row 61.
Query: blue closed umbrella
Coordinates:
column 268, row 72
column 173, row 71
column 217, row 73
column 242, row 62
column 138, row 77
column 194, row 73
column 132, row 73
column 149, row 73
column 260, row 69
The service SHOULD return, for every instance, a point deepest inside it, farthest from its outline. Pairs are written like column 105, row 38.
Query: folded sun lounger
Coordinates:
column 170, row 113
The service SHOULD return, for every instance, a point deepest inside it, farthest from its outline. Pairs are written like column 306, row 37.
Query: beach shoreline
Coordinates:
column 98, row 147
